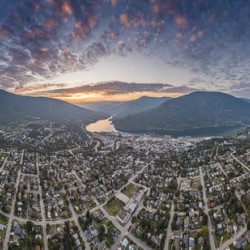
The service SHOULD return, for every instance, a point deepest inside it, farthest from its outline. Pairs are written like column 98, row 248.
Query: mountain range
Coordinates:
column 120, row 109
column 197, row 110
column 15, row 108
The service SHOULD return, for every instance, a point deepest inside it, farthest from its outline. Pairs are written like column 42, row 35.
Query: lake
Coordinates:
column 107, row 126
column 101, row 126
column 199, row 132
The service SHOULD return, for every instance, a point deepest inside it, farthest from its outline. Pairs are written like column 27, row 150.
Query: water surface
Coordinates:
column 101, row 126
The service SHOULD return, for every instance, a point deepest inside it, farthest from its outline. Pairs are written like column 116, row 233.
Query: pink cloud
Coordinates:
column 114, row 2
column 201, row 34
column 67, row 8
column 181, row 22
column 125, row 20
column 156, row 8
column 3, row 32
column 193, row 38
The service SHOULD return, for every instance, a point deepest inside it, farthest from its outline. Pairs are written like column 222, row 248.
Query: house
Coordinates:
column 77, row 242
column 102, row 246
column 185, row 240
column 123, row 216
column 18, row 231
column 241, row 243
column 124, row 243
column 92, row 230
column 88, row 235
column 220, row 228
column 186, row 223
column 191, row 242
column 95, row 242
column 201, row 241
column 2, row 227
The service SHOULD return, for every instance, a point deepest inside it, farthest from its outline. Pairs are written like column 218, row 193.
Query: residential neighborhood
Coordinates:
column 122, row 191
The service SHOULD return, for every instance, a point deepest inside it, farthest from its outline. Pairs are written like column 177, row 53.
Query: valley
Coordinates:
column 120, row 183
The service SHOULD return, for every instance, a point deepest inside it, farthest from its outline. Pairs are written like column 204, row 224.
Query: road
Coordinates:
column 131, row 180
column 239, row 234
column 230, row 241
column 241, row 163
column 139, row 242
column 210, row 229
column 42, row 207
column 75, row 218
column 4, row 162
column 11, row 216
column 222, row 170
column 97, row 146
column 123, row 229
column 43, row 223
column 169, row 231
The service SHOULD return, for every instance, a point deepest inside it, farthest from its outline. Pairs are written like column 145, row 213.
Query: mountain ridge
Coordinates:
column 18, row 107
column 194, row 111
column 125, row 108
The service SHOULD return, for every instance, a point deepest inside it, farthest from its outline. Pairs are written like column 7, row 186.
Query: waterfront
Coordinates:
column 101, row 126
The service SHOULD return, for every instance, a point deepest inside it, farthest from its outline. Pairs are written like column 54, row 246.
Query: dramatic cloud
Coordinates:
column 41, row 40
column 110, row 88
column 113, row 90
column 37, row 88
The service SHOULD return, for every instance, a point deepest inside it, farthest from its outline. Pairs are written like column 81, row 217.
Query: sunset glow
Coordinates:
column 65, row 45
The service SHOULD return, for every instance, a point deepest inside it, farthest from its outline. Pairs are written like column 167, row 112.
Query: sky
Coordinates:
column 95, row 50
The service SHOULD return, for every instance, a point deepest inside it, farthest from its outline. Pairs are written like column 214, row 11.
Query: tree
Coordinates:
column 101, row 232
column 29, row 226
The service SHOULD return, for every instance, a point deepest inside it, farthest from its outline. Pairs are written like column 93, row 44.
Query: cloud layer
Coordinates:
column 113, row 90
column 42, row 39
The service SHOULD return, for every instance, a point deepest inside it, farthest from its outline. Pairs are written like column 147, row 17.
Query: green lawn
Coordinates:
column 4, row 221
column 130, row 190
column 113, row 206
column 3, row 155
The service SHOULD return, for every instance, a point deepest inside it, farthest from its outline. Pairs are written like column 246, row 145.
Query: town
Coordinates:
column 62, row 188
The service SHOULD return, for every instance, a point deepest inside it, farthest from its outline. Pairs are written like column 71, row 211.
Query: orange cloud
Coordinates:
column 92, row 19
column 181, row 22
column 201, row 34
column 114, row 2
column 44, row 49
column 37, row 7
column 125, row 20
column 28, row 89
column 80, row 26
column 37, row 33
column 140, row 20
column 80, row 32
column 162, row 7
column 156, row 8
column 67, row 8
column 193, row 38
column 115, row 91
column 3, row 32
column 50, row 24
column 196, row 37
column 50, row 2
